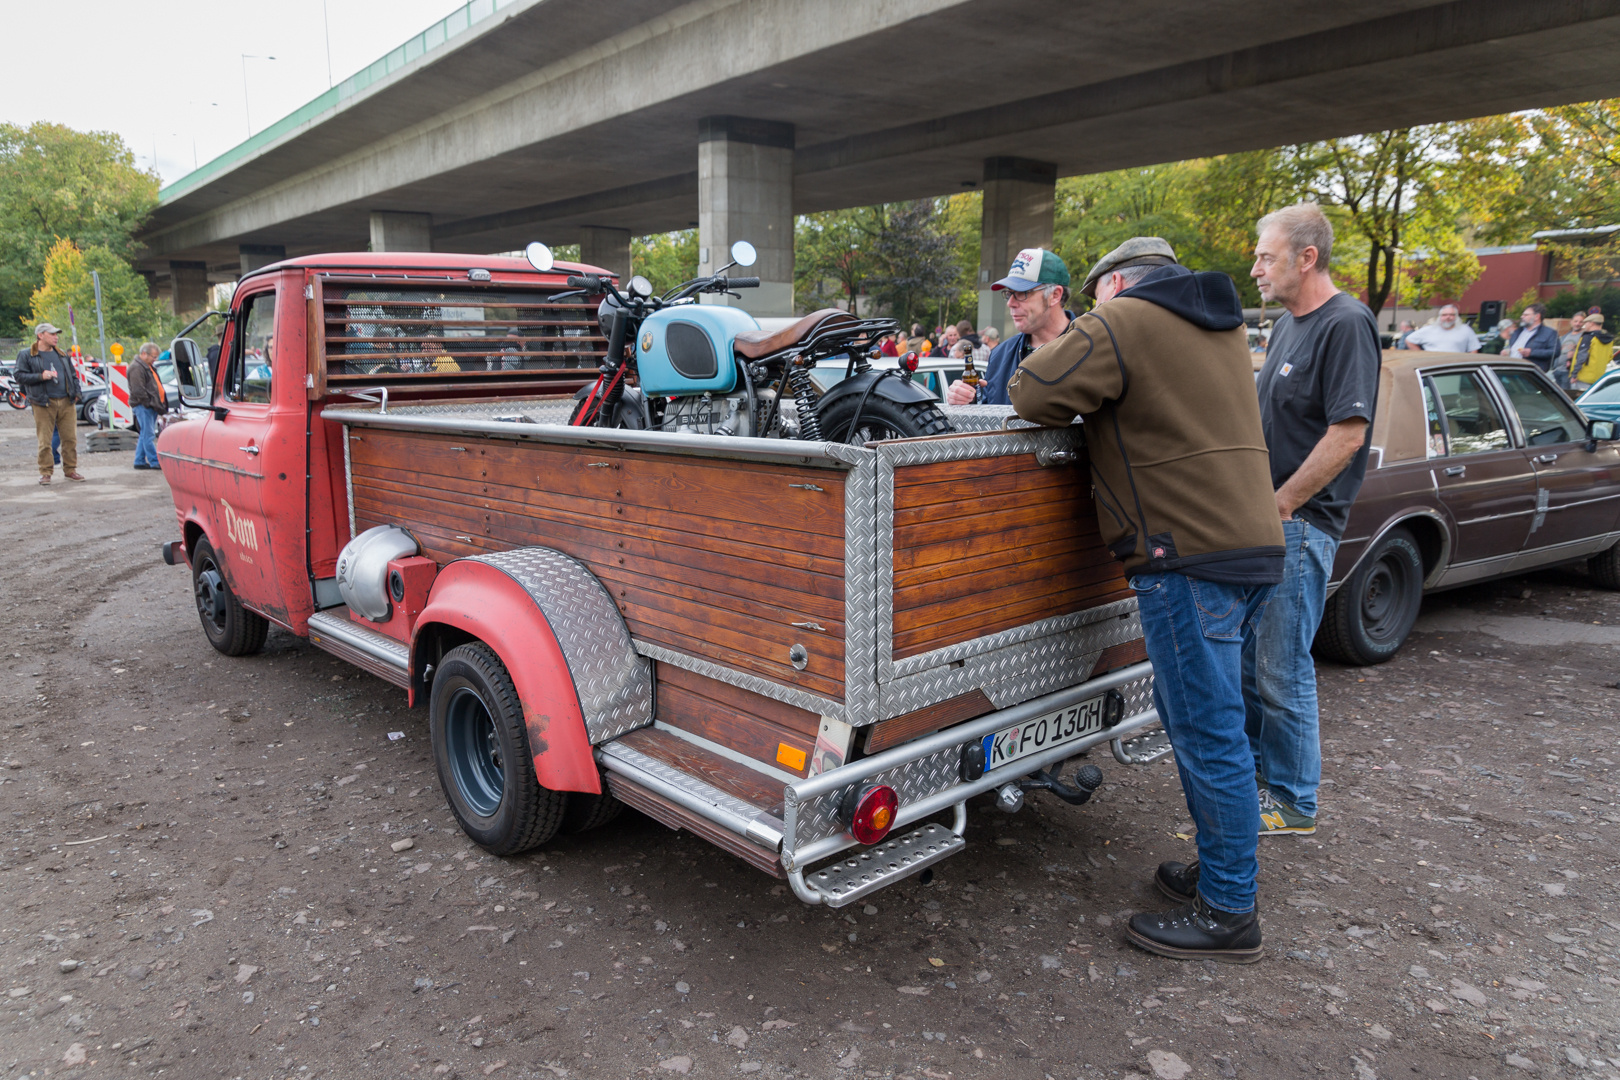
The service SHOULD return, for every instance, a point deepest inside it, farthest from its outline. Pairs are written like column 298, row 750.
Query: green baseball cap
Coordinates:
column 1034, row 267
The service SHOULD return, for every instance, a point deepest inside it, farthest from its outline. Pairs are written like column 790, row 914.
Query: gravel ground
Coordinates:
column 199, row 876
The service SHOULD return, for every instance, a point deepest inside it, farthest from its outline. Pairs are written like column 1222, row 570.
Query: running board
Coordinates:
column 1143, row 749
column 867, row 871
column 703, row 803
column 361, row 646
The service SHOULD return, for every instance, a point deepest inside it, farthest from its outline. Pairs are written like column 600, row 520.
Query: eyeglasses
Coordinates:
column 1013, row 294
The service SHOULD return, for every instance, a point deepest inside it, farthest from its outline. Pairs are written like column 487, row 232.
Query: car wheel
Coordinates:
column 481, row 751
column 1368, row 619
column 229, row 627
column 1605, row 568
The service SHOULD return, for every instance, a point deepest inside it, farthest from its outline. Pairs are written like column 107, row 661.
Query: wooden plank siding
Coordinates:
column 987, row 544
column 755, row 726
column 714, row 558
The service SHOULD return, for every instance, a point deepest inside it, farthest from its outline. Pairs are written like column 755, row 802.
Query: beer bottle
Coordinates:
column 970, row 374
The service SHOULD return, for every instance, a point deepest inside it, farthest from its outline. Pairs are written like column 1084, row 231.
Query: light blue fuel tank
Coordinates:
column 687, row 349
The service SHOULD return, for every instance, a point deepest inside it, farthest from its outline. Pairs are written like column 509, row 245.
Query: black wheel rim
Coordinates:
column 871, row 431
column 474, row 752
column 210, row 588
column 1384, row 599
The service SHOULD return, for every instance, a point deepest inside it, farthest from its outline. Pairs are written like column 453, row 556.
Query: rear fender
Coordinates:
column 890, row 388
column 553, row 625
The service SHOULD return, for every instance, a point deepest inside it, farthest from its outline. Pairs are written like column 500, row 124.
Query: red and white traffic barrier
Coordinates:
column 119, row 412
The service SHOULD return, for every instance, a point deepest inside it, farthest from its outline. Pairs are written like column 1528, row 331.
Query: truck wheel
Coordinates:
column 481, row 749
column 1605, row 568
column 586, row 811
column 229, row 627
column 1368, row 619
column 881, row 419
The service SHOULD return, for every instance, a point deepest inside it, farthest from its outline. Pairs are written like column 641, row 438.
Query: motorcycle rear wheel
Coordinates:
column 17, row 399
column 881, row 419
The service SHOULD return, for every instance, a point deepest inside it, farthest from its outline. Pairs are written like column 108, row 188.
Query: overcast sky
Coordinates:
column 167, row 74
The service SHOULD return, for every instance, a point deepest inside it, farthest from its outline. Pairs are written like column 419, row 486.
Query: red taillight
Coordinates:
column 909, row 361
column 875, row 809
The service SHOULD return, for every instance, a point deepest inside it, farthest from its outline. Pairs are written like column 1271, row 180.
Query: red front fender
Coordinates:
column 487, row 603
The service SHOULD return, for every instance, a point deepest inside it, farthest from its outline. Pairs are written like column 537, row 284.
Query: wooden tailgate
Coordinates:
column 989, row 543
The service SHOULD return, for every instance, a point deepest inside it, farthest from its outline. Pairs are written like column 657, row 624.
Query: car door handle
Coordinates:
column 254, row 450
column 1546, row 459
column 1456, row 470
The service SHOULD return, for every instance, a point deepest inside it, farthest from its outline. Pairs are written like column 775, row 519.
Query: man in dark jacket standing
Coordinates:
column 150, row 401
column 53, row 391
column 1037, row 288
column 1184, row 500
column 1535, row 341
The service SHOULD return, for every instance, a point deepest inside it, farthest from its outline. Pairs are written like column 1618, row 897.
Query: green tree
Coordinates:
column 833, row 256
column 68, row 290
column 665, row 259
column 59, row 183
column 919, row 274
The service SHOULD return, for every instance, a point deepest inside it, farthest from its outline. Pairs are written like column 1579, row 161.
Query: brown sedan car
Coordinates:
column 1480, row 468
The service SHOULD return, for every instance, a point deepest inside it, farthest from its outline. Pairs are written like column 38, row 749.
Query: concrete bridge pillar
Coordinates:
column 395, row 231
column 188, row 287
column 257, row 256
column 608, row 248
column 1019, row 197
column 745, row 192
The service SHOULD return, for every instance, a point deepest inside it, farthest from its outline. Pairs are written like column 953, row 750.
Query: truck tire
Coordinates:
column 481, row 751
column 1368, row 619
column 229, row 627
column 586, row 811
column 882, row 419
column 1605, row 568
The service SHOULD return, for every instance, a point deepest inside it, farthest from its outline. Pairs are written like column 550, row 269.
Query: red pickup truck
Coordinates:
column 794, row 649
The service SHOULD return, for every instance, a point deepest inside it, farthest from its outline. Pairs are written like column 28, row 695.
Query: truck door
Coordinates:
column 237, row 447
column 1577, row 490
column 1483, row 479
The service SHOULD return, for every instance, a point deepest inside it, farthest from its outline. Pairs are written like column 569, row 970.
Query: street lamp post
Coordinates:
column 247, row 107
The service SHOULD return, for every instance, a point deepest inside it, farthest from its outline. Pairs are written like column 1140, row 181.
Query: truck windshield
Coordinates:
column 375, row 331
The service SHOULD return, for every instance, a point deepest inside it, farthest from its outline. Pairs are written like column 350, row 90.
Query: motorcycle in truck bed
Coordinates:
column 811, row 654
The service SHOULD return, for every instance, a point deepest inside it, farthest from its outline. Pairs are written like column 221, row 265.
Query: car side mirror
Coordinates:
column 191, row 370
column 1601, row 431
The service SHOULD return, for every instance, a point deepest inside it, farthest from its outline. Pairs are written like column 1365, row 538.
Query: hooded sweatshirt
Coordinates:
column 1161, row 376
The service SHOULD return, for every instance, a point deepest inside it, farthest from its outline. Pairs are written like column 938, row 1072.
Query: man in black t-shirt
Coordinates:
column 1318, row 389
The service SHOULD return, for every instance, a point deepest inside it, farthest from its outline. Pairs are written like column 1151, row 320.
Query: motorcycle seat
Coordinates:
column 754, row 344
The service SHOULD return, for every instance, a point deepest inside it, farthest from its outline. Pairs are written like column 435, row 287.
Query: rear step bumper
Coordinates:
column 771, row 837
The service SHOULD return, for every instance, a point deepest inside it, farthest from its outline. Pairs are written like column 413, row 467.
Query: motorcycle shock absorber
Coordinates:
column 804, row 400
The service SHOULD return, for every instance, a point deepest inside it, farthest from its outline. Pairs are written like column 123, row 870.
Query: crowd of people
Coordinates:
column 959, row 341
column 1574, row 360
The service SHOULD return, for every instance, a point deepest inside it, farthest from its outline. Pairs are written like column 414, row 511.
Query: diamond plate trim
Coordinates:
column 984, row 417
column 746, row 680
column 864, row 587
column 690, row 784
column 614, row 684
column 1095, row 620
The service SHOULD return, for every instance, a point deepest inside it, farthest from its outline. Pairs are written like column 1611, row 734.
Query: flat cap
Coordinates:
column 1137, row 251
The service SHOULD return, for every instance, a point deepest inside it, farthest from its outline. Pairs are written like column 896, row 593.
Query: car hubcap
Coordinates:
column 1382, row 599
column 474, row 751
column 211, row 596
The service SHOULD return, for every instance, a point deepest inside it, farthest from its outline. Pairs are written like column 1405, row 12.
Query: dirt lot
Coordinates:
column 199, row 880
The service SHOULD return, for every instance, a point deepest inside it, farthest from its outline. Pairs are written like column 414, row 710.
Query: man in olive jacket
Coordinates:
column 1159, row 371
column 53, row 390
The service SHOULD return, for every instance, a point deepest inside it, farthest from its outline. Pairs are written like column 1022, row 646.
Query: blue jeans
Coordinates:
column 1195, row 633
column 1279, row 678
column 146, row 442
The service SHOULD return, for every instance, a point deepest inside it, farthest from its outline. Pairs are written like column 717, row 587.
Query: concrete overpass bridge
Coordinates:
column 597, row 120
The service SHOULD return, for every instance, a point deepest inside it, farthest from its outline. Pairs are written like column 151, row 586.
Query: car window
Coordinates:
column 1542, row 413
column 249, row 377
column 1472, row 423
column 1606, row 392
column 1435, row 422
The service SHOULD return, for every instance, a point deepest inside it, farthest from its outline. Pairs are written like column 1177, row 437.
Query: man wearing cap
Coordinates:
column 1037, row 287
column 1184, row 499
column 53, row 391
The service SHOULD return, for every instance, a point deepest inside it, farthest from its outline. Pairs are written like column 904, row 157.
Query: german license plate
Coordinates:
column 1043, row 733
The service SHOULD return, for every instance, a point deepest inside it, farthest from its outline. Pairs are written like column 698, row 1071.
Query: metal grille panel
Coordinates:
column 613, row 682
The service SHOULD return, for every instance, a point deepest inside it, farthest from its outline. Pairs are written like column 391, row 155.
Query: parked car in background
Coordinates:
column 1480, row 468
column 1602, row 400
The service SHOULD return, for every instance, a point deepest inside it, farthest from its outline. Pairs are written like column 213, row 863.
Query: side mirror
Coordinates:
column 539, row 256
column 191, row 370
column 1602, row 430
column 743, row 253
